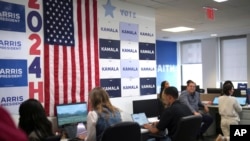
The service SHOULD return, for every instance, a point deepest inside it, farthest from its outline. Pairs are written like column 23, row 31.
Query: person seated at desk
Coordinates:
column 171, row 115
column 161, row 105
column 191, row 98
column 102, row 115
column 225, row 83
column 164, row 85
column 33, row 120
column 229, row 109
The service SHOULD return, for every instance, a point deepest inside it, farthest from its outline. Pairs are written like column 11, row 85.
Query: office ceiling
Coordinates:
column 230, row 18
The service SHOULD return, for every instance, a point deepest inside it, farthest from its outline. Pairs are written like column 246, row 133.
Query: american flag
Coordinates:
column 70, row 51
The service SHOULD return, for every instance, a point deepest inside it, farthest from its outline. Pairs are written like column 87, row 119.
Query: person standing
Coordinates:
column 229, row 109
column 171, row 115
column 191, row 98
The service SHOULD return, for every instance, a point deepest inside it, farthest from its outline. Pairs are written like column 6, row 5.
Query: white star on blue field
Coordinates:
column 109, row 9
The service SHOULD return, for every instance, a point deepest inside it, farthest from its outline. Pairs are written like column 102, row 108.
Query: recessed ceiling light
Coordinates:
column 220, row 0
column 178, row 29
column 213, row 35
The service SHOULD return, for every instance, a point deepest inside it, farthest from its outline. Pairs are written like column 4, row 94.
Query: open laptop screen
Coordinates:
column 216, row 101
column 140, row 118
column 241, row 100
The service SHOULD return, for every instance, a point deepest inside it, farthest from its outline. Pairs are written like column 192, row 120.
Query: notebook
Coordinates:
column 140, row 118
column 241, row 100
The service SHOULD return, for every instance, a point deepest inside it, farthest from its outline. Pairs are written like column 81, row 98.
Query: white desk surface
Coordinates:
column 144, row 131
column 153, row 119
column 243, row 107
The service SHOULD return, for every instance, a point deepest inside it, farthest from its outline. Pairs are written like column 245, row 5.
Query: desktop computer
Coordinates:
column 148, row 106
column 71, row 118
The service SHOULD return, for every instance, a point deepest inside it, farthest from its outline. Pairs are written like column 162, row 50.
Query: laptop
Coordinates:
column 75, row 130
column 215, row 101
column 241, row 100
column 140, row 118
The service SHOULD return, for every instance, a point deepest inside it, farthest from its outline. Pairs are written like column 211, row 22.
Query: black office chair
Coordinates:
column 52, row 138
column 187, row 129
column 123, row 131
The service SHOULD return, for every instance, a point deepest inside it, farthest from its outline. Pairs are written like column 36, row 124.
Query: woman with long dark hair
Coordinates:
column 164, row 85
column 33, row 120
column 161, row 104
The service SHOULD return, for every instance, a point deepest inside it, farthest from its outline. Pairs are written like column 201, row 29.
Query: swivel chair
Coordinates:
column 52, row 138
column 123, row 131
column 187, row 129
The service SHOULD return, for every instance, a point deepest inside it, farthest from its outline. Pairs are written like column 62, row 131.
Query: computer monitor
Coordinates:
column 184, row 87
column 242, row 100
column 214, row 90
column 248, row 95
column 148, row 106
column 237, row 93
column 68, row 114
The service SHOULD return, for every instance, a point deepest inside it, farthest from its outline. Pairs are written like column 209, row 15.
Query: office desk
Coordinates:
column 214, row 129
column 144, row 134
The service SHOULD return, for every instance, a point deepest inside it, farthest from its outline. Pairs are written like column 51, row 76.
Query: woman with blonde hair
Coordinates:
column 102, row 115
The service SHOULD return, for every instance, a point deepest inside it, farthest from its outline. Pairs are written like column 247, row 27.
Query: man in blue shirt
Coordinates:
column 191, row 98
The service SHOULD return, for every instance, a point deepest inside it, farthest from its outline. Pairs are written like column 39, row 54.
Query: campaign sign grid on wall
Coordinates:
column 127, row 49
column 20, row 53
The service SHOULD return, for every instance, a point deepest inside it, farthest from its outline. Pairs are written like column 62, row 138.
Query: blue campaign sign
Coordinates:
column 147, row 86
column 109, row 49
column 166, row 62
column 146, row 51
column 112, row 86
column 12, row 17
column 13, row 73
column 129, row 68
column 129, row 32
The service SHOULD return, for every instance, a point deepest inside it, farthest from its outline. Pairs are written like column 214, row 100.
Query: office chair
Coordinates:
column 187, row 129
column 123, row 131
column 52, row 138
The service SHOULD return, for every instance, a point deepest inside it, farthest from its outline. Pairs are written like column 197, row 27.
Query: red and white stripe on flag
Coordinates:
column 210, row 13
column 71, row 58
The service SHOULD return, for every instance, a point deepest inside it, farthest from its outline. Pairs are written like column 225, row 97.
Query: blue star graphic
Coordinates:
column 109, row 9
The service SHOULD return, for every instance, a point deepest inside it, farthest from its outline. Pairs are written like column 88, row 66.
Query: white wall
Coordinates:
column 210, row 63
